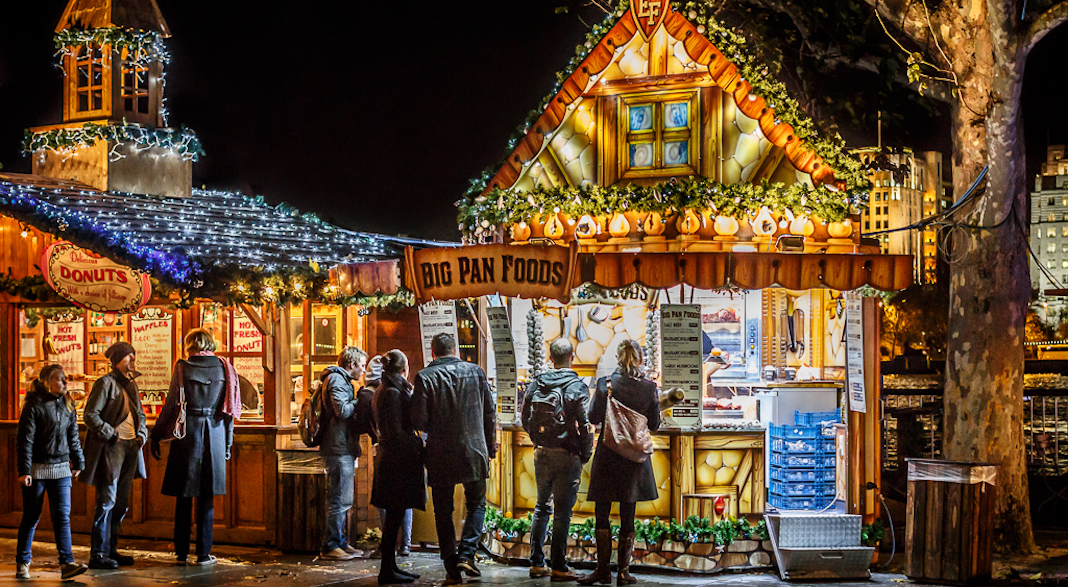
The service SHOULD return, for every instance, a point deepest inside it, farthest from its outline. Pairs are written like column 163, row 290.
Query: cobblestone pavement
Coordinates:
column 261, row 567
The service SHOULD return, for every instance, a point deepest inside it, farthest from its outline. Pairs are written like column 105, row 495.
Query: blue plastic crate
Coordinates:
column 803, row 446
column 802, row 489
column 795, row 432
column 809, row 461
column 799, row 503
column 800, row 475
column 816, row 418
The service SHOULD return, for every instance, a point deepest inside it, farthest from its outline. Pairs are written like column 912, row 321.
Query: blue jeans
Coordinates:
column 113, row 487
column 404, row 541
column 557, row 473
column 59, row 504
column 340, row 481
column 475, row 504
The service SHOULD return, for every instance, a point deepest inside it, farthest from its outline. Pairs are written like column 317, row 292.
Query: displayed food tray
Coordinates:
column 826, row 474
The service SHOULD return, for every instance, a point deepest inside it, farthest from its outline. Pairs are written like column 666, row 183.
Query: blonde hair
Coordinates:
column 349, row 356
column 41, row 383
column 199, row 340
column 630, row 357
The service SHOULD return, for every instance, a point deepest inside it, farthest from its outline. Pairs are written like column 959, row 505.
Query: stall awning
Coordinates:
column 714, row 270
column 367, row 278
column 550, row 271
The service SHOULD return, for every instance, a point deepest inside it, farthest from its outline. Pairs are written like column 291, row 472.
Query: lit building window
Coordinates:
column 89, row 83
column 134, row 87
column 658, row 134
column 1064, row 264
column 1051, row 248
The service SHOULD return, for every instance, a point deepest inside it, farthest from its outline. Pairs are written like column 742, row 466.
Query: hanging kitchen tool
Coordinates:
column 798, row 319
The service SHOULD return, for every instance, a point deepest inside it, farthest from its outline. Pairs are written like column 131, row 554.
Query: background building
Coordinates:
column 907, row 186
column 1049, row 233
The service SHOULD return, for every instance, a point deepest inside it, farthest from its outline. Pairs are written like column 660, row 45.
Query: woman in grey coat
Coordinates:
column 196, row 462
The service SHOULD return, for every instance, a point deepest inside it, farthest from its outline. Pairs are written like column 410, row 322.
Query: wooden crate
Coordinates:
column 949, row 526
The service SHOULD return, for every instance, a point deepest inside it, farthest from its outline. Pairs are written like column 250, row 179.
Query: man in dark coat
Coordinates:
column 113, row 459
column 344, row 415
column 559, row 452
column 453, row 405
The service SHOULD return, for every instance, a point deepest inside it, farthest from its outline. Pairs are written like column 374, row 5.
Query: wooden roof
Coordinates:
column 136, row 15
column 724, row 73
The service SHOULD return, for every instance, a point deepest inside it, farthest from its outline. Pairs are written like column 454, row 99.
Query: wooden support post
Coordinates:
column 683, row 474
column 865, row 430
column 505, row 454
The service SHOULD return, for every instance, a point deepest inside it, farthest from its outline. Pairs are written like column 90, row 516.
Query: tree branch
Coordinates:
column 903, row 14
column 1045, row 23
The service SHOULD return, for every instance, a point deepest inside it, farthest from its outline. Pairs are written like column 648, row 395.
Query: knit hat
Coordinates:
column 374, row 370
column 118, row 351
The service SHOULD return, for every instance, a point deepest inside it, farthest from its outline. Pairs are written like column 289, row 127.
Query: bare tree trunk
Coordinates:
column 990, row 285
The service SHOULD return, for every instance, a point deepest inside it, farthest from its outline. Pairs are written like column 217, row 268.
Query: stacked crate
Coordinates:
column 802, row 462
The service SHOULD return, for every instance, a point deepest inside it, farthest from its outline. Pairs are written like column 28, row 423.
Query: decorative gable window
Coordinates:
column 134, row 87
column 659, row 134
column 89, row 81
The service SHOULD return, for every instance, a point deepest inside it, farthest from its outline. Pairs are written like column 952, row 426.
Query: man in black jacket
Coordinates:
column 115, row 433
column 554, row 415
column 453, row 405
column 340, row 447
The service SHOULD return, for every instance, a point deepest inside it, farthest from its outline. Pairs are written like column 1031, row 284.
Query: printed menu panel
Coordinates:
column 504, row 353
column 855, row 353
column 64, row 343
column 247, row 338
column 435, row 318
column 680, row 344
column 152, row 335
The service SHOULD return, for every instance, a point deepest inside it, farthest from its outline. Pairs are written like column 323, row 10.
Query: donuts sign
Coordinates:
column 94, row 282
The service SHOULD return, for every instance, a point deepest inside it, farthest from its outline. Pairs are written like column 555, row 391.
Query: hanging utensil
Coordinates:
column 799, row 328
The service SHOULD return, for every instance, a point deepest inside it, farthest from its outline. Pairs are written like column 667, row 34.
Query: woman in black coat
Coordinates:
column 614, row 478
column 196, row 462
column 399, row 481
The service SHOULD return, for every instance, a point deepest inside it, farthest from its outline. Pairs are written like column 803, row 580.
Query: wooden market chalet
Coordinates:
column 112, row 183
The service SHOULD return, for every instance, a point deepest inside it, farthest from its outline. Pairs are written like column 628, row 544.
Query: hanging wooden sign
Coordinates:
column 94, row 282
column 467, row 272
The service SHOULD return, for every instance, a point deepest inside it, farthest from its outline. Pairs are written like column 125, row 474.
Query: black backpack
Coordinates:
column 547, row 425
column 309, row 424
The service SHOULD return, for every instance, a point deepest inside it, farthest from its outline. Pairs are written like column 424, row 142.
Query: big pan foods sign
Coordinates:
column 525, row 271
column 92, row 281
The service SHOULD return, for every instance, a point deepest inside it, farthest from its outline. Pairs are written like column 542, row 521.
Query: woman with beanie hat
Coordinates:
column 116, row 432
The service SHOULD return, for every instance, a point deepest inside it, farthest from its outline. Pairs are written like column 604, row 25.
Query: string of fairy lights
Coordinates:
column 220, row 245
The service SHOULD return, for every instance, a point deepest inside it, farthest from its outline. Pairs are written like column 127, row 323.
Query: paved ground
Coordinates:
column 251, row 567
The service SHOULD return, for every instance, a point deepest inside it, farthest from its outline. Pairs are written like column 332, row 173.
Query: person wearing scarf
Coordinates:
column 198, row 418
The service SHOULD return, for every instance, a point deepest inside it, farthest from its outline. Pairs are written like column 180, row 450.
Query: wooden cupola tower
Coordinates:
column 114, row 135
column 109, row 80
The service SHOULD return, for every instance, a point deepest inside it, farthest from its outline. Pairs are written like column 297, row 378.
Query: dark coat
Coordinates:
column 612, row 477
column 577, row 438
column 105, row 410
column 346, row 414
column 399, row 479
column 209, row 432
column 452, row 403
column 48, row 432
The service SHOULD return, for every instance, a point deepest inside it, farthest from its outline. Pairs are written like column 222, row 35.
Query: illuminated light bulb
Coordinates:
column 25, row 233
column 554, row 229
column 619, row 226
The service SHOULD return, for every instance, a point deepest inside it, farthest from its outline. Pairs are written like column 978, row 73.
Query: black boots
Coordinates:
column 603, row 574
column 626, row 548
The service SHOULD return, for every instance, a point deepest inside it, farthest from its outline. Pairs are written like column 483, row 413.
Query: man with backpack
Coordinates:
column 554, row 415
column 344, row 416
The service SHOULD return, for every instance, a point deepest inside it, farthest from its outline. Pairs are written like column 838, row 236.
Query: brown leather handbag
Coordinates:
column 626, row 432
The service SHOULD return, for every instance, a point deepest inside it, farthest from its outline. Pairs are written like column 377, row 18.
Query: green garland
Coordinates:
column 32, row 287
column 142, row 47
column 500, row 206
column 182, row 139
column 848, row 169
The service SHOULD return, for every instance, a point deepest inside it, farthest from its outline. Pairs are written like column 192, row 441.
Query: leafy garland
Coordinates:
column 502, row 206
column 182, row 139
column 830, row 205
column 142, row 46
column 31, row 287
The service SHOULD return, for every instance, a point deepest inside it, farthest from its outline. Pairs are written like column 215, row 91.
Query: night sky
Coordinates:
column 374, row 115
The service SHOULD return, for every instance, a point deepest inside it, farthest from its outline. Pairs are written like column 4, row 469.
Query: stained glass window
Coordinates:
column 658, row 132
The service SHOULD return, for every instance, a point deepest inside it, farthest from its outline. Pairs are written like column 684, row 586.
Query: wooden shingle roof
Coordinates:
column 136, row 15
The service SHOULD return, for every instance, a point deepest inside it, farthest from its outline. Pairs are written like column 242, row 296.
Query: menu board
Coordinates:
column 65, row 344
column 504, row 353
column 680, row 344
column 855, row 353
column 247, row 338
column 435, row 318
column 520, row 308
column 152, row 335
